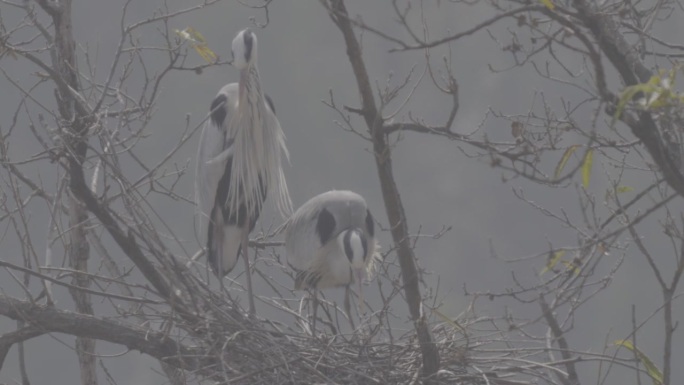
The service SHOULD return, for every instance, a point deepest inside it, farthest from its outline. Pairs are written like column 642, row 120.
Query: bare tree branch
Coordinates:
column 393, row 204
column 7, row 340
column 45, row 319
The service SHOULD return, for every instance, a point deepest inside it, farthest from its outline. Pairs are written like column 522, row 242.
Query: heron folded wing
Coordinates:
column 221, row 159
column 223, row 243
column 301, row 241
column 307, row 280
column 211, row 162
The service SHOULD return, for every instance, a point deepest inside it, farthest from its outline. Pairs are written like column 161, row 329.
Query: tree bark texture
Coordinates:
column 64, row 63
column 47, row 319
column 390, row 193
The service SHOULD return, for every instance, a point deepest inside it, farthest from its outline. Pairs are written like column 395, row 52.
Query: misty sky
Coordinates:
column 301, row 58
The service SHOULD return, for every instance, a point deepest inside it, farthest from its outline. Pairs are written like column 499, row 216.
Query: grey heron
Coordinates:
column 330, row 242
column 239, row 163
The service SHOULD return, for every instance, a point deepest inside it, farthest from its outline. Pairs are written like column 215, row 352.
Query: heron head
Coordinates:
column 355, row 246
column 244, row 49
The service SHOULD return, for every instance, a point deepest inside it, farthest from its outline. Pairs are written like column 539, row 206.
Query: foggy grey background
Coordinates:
column 301, row 57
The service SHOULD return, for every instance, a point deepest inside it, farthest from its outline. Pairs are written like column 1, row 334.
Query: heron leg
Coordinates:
column 245, row 255
column 314, row 294
column 362, row 303
column 347, row 306
column 219, row 263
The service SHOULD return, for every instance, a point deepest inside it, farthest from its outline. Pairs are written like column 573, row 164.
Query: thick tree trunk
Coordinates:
column 390, row 193
column 64, row 64
column 79, row 252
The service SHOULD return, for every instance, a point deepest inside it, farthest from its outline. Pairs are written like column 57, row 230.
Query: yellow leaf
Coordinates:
column 673, row 74
column 571, row 266
column 197, row 42
column 586, row 167
column 448, row 320
column 190, row 34
column 625, row 344
column 623, row 189
column 548, row 4
column 655, row 79
column 205, row 52
column 657, row 92
column 653, row 371
column 553, row 261
column 655, row 96
column 564, row 160
column 195, row 34
column 184, row 34
column 629, row 92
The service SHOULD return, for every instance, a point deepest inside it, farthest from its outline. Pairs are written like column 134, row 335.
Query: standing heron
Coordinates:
column 330, row 242
column 238, row 163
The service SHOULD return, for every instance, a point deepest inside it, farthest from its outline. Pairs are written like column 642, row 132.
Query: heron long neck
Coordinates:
column 254, row 110
column 259, row 142
column 250, row 88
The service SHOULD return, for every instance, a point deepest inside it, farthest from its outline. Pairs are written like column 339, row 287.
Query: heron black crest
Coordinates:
column 370, row 223
column 218, row 110
column 325, row 226
column 348, row 249
column 249, row 43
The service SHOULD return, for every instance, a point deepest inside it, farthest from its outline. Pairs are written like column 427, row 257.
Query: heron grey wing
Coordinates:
column 373, row 257
column 212, row 155
column 269, row 103
column 351, row 211
column 348, row 208
column 279, row 192
column 301, row 241
column 370, row 224
column 319, row 220
column 308, row 229
column 273, row 121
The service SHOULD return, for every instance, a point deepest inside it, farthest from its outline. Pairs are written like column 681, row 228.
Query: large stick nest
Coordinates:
column 245, row 351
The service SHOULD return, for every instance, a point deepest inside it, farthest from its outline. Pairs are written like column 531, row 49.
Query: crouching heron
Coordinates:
column 238, row 163
column 330, row 242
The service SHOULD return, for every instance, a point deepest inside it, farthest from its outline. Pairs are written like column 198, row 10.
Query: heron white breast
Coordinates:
column 354, row 246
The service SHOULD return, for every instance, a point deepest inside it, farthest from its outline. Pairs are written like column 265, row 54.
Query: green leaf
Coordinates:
column 564, row 160
column 553, row 261
column 623, row 189
column 586, row 167
column 653, row 371
column 548, row 3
